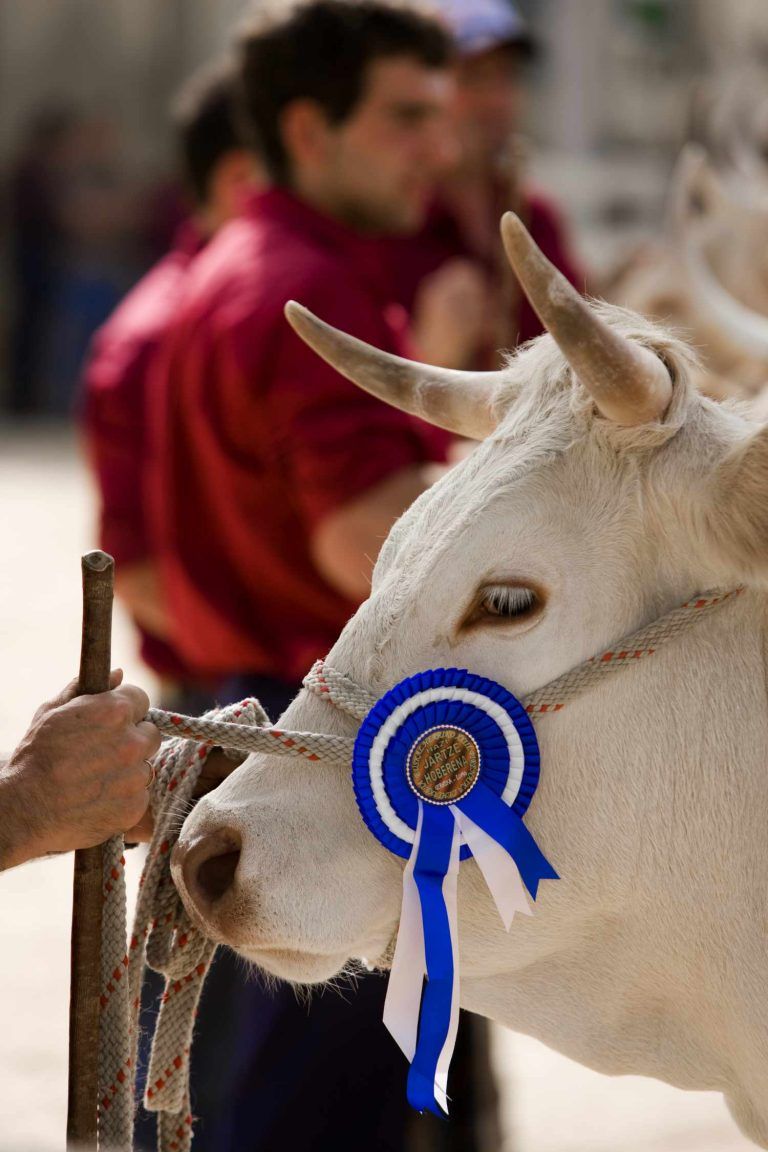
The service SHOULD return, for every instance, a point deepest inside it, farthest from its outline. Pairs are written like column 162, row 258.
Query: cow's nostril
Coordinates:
column 216, row 874
column 209, row 865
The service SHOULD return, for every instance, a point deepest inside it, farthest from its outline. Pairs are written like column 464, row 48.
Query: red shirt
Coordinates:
column 114, row 415
column 259, row 439
column 442, row 239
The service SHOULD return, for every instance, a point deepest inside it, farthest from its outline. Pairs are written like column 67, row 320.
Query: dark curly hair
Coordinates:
column 322, row 50
column 207, row 123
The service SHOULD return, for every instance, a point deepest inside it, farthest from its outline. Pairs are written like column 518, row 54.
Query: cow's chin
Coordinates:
column 299, row 967
column 295, row 967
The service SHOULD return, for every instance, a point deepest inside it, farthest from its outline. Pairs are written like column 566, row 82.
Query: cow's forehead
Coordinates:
column 459, row 502
column 549, row 443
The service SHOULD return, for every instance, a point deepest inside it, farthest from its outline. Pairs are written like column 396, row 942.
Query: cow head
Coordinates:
column 605, row 491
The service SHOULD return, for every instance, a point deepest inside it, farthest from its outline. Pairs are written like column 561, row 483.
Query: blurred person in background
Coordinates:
column 36, row 235
column 71, row 215
column 219, row 172
column 276, row 483
column 98, row 257
column 295, row 473
column 460, row 239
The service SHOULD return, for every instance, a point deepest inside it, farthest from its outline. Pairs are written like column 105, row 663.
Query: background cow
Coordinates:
column 708, row 275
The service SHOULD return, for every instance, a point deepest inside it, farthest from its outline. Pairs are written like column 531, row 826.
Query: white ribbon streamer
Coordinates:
column 498, row 868
column 406, row 979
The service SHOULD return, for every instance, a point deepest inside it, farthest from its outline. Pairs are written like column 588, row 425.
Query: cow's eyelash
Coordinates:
column 508, row 601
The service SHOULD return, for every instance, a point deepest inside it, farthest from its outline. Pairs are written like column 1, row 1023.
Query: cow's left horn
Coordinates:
column 461, row 402
column 628, row 383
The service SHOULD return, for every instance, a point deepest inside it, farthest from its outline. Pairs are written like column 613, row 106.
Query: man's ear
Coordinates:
column 737, row 519
column 235, row 175
column 305, row 131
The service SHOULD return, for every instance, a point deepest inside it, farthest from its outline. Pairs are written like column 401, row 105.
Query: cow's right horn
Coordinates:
column 628, row 383
column 461, row 402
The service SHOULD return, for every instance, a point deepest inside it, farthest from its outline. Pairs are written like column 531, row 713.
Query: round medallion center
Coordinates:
column 443, row 765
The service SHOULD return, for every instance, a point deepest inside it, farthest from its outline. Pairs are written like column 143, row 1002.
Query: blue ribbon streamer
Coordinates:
column 432, row 862
column 497, row 819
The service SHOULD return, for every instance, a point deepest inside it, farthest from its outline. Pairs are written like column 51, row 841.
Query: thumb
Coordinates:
column 72, row 690
column 62, row 697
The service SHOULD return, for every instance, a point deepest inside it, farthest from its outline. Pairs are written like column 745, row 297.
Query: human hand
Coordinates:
column 451, row 315
column 79, row 774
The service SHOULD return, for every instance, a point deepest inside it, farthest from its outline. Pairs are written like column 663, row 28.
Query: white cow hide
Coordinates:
column 650, row 955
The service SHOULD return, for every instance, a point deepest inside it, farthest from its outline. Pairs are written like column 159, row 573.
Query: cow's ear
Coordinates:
column 738, row 513
column 696, row 189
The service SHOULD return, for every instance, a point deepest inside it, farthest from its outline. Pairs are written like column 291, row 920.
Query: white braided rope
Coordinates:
column 164, row 938
column 555, row 695
column 115, row 1063
column 273, row 741
column 163, row 935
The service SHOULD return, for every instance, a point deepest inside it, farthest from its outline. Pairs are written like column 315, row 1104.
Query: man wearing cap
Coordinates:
column 462, row 227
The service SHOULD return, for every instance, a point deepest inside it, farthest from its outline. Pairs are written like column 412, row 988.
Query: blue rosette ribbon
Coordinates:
column 444, row 767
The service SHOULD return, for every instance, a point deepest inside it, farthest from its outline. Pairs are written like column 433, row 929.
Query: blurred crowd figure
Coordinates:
column 452, row 275
column 218, row 171
column 355, row 156
column 80, row 230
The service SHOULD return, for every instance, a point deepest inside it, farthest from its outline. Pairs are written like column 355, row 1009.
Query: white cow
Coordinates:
column 605, row 492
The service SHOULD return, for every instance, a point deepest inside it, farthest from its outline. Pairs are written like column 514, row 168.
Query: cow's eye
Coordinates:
column 505, row 604
column 509, row 601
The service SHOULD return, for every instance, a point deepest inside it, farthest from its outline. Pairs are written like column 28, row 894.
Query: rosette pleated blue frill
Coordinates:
column 434, row 831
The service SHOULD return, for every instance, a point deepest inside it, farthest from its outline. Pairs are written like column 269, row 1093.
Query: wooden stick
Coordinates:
column 85, row 978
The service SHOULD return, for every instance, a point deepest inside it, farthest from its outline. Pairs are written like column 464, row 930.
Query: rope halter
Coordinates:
column 350, row 697
column 164, row 937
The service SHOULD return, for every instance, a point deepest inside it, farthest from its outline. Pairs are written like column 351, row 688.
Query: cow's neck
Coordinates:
column 651, row 955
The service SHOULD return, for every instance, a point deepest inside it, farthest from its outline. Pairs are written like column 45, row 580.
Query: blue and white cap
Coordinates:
column 479, row 25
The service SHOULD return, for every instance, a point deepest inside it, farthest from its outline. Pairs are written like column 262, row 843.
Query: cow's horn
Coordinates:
column 461, row 402
column 629, row 384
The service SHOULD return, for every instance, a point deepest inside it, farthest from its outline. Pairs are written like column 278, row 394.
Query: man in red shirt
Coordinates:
column 296, row 475
column 277, row 480
column 219, row 171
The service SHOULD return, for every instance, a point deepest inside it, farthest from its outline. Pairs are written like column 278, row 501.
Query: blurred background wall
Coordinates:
column 612, row 102
column 122, row 58
column 85, row 87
